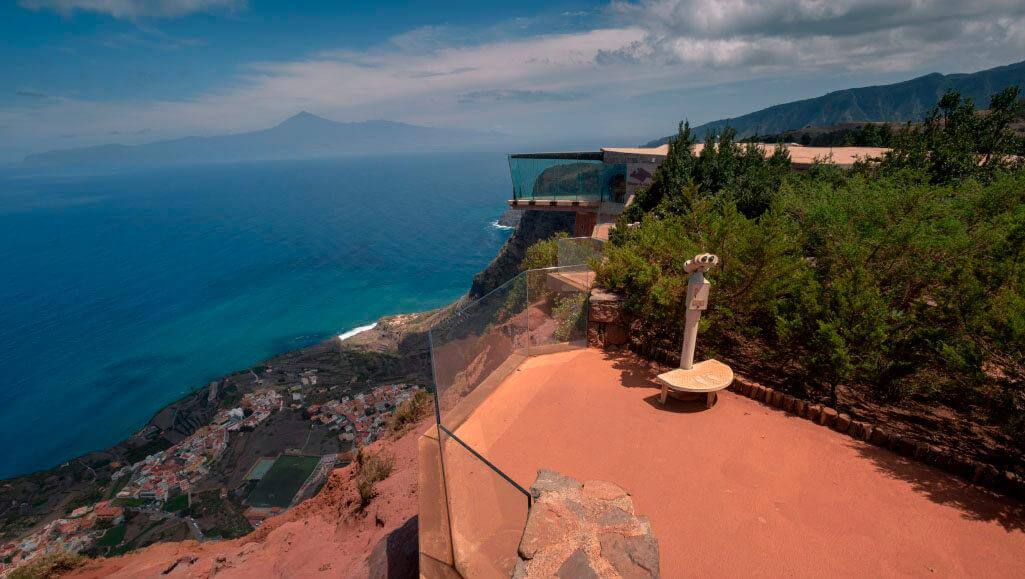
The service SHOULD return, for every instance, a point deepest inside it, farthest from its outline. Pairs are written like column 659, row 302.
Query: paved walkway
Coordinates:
column 738, row 490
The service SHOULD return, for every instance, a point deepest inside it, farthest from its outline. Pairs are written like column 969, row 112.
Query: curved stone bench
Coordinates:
column 706, row 377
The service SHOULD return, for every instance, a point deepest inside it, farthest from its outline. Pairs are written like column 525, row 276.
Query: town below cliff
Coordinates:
column 247, row 449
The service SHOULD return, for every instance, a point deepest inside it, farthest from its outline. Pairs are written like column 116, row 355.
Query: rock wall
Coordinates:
column 607, row 322
column 534, row 226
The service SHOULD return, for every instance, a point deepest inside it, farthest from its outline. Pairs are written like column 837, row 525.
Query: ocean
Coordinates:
column 122, row 292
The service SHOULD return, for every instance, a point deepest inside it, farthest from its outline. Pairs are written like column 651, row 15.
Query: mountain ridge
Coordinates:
column 908, row 100
column 302, row 135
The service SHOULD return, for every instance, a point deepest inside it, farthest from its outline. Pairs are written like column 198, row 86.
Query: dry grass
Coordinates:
column 371, row 468
column 47, row 566
column 411, row 412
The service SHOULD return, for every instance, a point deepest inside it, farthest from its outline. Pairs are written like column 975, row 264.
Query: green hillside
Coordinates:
column 910, row 100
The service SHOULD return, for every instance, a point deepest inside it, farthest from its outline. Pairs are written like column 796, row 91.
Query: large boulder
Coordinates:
column 584, row 530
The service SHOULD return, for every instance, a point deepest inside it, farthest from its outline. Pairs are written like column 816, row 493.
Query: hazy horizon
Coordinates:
column 93, row 72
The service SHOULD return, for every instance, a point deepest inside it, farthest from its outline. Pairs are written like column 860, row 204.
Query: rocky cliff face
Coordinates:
column 533, row 227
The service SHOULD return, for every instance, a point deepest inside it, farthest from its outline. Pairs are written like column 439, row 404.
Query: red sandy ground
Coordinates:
column 325, row 536
column 738, row 490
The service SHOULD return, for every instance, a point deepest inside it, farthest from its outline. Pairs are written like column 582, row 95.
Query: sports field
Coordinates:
column 282, row 481
column 260, row 469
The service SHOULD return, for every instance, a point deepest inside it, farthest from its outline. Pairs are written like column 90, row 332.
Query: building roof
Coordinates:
column 799, row 154
column 659, row 151
column 843, row 156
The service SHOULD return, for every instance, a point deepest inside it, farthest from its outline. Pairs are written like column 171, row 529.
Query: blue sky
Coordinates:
column 84, row 72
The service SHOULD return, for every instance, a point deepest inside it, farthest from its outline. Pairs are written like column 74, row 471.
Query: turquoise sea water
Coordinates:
column 121, row 292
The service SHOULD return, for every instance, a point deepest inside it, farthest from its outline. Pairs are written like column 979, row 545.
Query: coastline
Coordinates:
column 357, row 330
column 33, row 499
column 392, row 350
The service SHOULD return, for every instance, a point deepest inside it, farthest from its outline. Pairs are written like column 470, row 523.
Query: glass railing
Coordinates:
column 576, row 251
column 487, row 511
column 580, row 177
column 480, row 341
column 537, row 312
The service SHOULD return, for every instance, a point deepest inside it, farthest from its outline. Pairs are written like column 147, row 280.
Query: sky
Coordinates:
column 86, row 72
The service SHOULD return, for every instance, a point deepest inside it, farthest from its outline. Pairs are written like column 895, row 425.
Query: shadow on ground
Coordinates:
column 976, row 503
column 634, row 371
column 396, row 555
column 638, row 373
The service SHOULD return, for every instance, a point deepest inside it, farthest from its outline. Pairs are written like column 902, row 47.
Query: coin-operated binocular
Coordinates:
column 706, row 377
column 697, row 301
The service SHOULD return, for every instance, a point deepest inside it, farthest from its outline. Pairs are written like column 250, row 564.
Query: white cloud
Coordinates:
column 509, row 84
column 829, row 34
column 625, row 79
column 132, row 9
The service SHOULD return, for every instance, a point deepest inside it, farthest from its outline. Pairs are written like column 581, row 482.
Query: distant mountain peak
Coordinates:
column 303, row 134
column 304, row 118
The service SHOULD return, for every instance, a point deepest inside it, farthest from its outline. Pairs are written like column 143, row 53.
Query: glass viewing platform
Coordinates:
column 565, row 179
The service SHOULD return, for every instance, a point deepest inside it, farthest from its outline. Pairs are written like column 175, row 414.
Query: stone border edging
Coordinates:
column 973, row 471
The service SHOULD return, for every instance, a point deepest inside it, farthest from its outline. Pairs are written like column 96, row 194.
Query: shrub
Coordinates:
column 881, row 278
column 411, row 411
column 570, row 314
column 956, row 142
column 723, row 166
column 544, row 253
column 371, row 468
column 48, row 566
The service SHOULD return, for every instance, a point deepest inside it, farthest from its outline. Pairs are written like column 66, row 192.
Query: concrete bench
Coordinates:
column 706, row 377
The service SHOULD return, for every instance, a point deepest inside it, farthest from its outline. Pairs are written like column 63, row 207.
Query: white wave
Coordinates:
column 355, row 331
column 496, row 225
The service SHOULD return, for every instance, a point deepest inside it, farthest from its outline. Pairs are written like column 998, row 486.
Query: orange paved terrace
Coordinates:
column 738, row 490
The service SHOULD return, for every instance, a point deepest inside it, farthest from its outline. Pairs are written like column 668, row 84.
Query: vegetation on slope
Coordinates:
column 543, row 253
column 841, row 135
column 900, row 279
column 371, row 468
column 49, row 566
column 411, row 412
column 910, row 100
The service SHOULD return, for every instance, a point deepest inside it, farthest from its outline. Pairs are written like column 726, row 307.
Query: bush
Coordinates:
column 544, row 253
column 956, row 142
column 48, row 566
column 723, row 167
column 570, row 314
column 411, row 411
column 886, row 278
column 371, row 468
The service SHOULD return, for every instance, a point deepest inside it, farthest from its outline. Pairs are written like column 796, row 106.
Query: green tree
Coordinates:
column 957, row 142
column 673, row 174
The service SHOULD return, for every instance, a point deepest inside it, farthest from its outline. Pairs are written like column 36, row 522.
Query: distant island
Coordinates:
column 909, row 100
column 303, row 135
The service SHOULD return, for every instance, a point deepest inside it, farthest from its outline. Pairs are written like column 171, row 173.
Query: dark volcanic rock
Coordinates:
column 533, row 227
column 511, row 218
